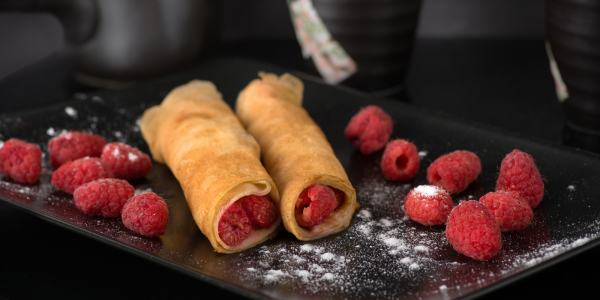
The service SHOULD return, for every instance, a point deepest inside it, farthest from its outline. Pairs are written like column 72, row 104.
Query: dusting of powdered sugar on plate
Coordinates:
column 385, row 255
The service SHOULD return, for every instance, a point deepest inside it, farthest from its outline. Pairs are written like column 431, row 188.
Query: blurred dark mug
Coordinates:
column 111, row 43
column 378, row 35
column 573, row 32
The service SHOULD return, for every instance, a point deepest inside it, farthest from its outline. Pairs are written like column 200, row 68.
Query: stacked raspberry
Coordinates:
column 474, row 227
column 518, row 173
column 82, row 157
column 126, row 162
column 73, row 145
column 96, row 173
column 509, row 209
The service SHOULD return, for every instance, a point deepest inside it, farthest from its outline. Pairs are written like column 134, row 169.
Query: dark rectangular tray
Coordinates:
column 381, row 255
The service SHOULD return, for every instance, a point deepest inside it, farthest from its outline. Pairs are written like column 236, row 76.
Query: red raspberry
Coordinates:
column 400, row 160
column 472, row 231
column 126, row 162
column 146, row 214
column 260, row 210
column 428, row 205
column 339, row 196
column 369, row 130
column 510, row 210
column 315, row 204
column 72, row 174
column 103, row 197
column 234, row 226
column 454, row 171
column 519, row 173
column 73, row 145
column 21, row 161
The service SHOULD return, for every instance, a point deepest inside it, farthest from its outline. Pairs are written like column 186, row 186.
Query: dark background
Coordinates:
column 483, row 61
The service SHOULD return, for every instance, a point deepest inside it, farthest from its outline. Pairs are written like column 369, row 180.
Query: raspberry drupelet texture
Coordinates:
column 454, row 171
column 428, row 205
column 234, row 225
column 73, row 145
column 72, row 174
column 519, row 173
column 510, row 210
column 103, row 197
column 126, row 162
column 369, row 130
column 146, row 214
column 260, row 210
column 21, row 161
column 400, row 161
column 315, row 204
column 473, row 231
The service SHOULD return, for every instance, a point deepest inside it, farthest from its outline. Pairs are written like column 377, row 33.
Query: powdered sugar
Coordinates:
column 132, row 157
column 428, row 190
column 71, row 112
column 384, row 255
column 54, row 132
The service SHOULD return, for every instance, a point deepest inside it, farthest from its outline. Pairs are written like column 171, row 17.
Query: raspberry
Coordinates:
column 519, row 173
column 126, row 162
column 103, row 197
column 21, row 161
column 454, row 171
column 339, row 197
column 472, row 231
column 315, row 204
column 73, row 145
column 72, row 174
column 400, row 160
column 428, row 205
column 146, row 214
column 369, row 130
column 260, row 210
column 510, row 210
column 234, row 226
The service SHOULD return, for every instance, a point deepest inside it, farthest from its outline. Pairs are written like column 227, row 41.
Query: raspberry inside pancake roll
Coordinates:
column 317, row 199
column 249, row 212
column 217, row 163
column 316, row 203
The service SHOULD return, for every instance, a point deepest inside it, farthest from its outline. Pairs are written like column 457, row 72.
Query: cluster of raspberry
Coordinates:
column 97, row 175
column 472, row 227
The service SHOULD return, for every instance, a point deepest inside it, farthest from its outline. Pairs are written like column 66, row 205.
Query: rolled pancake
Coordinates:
column 197, row 135
column 295, row 151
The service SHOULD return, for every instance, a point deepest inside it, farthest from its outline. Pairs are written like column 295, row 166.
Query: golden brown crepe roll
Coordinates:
column 217, row 164
column 298, row 157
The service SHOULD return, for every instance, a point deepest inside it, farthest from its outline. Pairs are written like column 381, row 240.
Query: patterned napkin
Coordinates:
column 332, row 62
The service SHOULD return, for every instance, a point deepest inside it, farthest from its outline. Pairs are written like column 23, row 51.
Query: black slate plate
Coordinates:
column 381, row 255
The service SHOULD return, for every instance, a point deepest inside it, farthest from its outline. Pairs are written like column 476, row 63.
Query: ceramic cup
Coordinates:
column 378, row 35
column 573, row 32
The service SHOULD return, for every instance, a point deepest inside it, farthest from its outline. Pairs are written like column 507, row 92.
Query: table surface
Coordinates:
column 503, row 83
